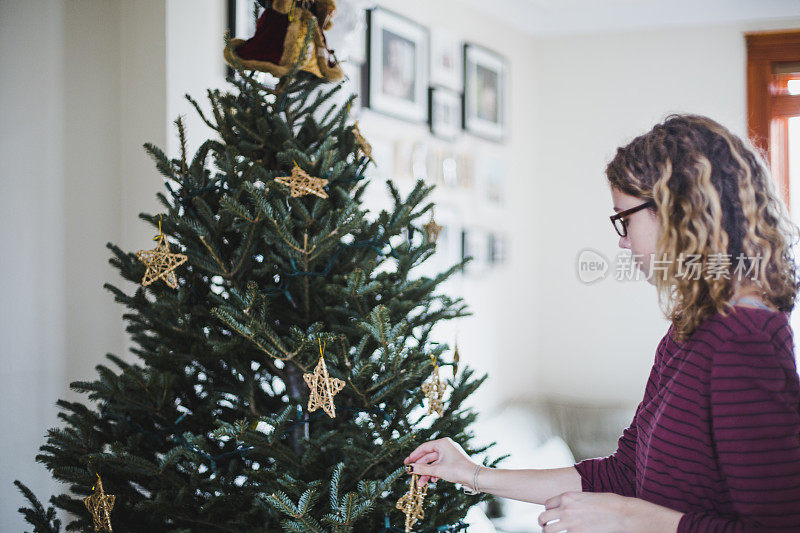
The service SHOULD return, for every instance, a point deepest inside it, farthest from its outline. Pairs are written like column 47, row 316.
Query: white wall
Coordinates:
column 193, row 65
column 32, row 321
column 592, row 94
column 84, row 88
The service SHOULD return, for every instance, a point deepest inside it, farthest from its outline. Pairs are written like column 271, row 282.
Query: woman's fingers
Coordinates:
column 553, row 502
column 547, row 516
column 425, row 470
column 422, row 449
column 428, row 458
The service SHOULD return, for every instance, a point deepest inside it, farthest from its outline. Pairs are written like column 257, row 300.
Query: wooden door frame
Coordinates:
column 767, row 111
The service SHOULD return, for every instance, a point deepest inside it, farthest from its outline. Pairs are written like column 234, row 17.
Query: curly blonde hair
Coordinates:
column 717, row 207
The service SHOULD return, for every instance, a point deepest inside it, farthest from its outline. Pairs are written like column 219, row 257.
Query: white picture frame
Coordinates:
column 445, row 113
column 485, row 74
column 396, row 66
column 447, row 63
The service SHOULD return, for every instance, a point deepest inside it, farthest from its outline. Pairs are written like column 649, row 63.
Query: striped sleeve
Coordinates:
column 755, row 410
column 617, row 472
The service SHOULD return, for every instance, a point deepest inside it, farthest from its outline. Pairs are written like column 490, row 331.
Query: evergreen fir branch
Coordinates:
column 322, row 97
column 43, row 521
column 301, row 522
column 200, row 111
column 215, row 254
column 216, row 109
column 163, row 164
column 205, row 212
column 198, row 163
column 255, row 138
column 291, row 155
column 334, row 486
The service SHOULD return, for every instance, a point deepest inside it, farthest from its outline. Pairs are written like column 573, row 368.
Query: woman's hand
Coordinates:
column 605, row 512
column 441, row 459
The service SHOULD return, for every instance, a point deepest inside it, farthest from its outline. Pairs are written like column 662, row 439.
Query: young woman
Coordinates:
column 715, row 443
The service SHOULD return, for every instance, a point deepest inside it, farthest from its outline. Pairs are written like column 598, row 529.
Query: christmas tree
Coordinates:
column 285, row 345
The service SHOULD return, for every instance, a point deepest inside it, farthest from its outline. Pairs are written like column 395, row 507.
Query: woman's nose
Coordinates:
column 625, row 242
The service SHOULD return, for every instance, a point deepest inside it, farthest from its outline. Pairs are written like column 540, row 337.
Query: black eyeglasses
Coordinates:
column 619, row 222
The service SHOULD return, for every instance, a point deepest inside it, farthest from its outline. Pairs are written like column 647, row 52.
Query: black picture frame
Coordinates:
column 442, row 102
column 405, row 94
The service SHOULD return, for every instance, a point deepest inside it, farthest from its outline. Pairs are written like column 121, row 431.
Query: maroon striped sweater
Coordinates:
column 717, row 435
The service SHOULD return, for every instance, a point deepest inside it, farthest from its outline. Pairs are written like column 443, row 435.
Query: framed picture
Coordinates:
column 497, row 249
column 446, row 60
column 484, row 92
column 445, row 113
column 396, row 66
column 475, row 244
column 492, row 173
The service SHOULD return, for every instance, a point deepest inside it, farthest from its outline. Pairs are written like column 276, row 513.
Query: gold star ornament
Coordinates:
column 362, row 142
column 301, row 184
column 434, row 391
column 432, row 230
column 456, row 359
column 160, row 262
column 323, row 387
column 411, row 502
column 100, row 504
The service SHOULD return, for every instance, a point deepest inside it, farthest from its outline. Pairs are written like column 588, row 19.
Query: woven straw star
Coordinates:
column 161, row 264
column 456, row 359
column 300, row 183
column 432, row 230
column 100, row 504
column 411, row 502
column 323, row 389
column 434, row 392
column 362, row 142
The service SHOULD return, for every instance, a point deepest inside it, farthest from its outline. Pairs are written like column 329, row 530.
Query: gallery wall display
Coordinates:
column 396, row 66
column 484, row 92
